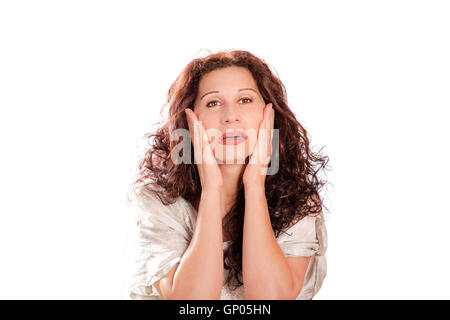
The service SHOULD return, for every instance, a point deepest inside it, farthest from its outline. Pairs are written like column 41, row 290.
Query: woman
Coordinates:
column 224, row 225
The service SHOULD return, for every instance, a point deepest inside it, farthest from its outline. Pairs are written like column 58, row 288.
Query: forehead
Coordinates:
column 229, row 77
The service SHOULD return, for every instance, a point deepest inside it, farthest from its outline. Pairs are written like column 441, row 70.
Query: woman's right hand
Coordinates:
column 208, row 169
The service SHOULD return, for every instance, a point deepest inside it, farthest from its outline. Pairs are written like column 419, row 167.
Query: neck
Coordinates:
column 231, row 174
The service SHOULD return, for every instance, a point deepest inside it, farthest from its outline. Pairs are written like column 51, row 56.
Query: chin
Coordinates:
column 232, row 160
column 232, row 154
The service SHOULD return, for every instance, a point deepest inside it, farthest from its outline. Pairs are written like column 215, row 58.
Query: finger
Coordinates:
column 203, row 137
column 272, row 124
column 267, row 110
column 266, row 119
column 266, row 143
column 206, row 147
column 203, row 141
column 261, row 139
column 199, row 139
column 269, row 120
column 195, row 132
column 271, row 116
column 263, row 122
column 190, row 124
column 262, row 142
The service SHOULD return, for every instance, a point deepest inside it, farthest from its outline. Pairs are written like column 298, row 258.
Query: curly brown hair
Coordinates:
column 292, row 193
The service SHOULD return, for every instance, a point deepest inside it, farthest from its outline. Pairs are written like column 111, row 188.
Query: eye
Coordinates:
column 208, row 104
column 211, row 103
column 249, row 100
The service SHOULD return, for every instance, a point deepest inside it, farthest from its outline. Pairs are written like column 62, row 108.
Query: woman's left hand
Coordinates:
column 256, row 169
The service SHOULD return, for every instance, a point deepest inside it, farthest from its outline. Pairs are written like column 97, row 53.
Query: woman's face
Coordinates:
column 229, row 102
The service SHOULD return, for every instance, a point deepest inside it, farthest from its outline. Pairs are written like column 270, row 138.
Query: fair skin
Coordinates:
column 229, row 99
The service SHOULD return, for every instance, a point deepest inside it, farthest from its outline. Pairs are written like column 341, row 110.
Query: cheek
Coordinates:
column 253, row 117
column 211, row 126
column 207, row 120
column 256, row 120
column 259, row 114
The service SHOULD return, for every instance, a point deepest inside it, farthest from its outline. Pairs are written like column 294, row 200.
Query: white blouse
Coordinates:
column 164, row 233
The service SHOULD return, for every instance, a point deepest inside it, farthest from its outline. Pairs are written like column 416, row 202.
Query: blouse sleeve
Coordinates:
column 163, row 237
column 300, row 240
column 308, row 237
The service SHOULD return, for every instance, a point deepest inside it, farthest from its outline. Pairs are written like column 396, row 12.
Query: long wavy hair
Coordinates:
column 292, row 193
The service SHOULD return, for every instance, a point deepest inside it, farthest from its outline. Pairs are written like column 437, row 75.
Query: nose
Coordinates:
column 230, row 115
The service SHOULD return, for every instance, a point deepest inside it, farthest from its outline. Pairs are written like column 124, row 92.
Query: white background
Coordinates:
column 82, row 81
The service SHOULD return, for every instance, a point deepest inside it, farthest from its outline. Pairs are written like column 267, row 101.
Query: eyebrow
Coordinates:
column 242, row 89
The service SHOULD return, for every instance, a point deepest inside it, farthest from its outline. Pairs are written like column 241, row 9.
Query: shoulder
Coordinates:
column 305, row 226
column 310, row 221
column 150, row 206
column 151, row 195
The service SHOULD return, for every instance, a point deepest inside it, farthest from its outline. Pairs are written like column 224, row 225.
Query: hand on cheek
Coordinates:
column 255, row 172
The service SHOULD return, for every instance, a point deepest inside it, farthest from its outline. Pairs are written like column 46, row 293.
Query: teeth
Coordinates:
column 233, row 137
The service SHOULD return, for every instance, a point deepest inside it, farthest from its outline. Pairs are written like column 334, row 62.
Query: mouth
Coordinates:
column 233, row 138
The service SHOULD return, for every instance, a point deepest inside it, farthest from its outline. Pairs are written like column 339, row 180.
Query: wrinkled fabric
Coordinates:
column 164, row 233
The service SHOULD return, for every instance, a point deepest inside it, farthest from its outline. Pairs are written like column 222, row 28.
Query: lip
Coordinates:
column 234, row 140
